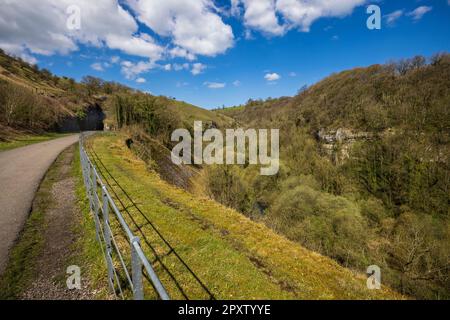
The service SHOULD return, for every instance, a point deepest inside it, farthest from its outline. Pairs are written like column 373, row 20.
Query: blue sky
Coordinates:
column 240, row 50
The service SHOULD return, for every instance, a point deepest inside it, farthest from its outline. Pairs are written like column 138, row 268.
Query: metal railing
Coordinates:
column 103, row 208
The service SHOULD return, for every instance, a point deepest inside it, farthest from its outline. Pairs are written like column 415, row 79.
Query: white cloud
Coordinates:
column 115, row 59
column 178, row 52
column 141, row 80
column 192, row 25
column 275, row 17
column 27, row 58
column 142, row 46
column 182, row 84
column 97, row 67
column 419, row 12
column 40, row 27
column 237, row 83
column 235, row 9
column 198, row 68
column 394, row 16
column 215, row 85
column 131, row 70
column 179, row 67
column 261, row 15
column 302, row 14
column 272, row 77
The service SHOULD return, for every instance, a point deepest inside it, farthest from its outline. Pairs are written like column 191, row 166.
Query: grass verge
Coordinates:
column 87, row 246
column 26, row 140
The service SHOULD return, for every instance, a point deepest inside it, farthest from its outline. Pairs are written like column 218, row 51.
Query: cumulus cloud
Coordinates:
column 131, row 70
column 272, row 77
column 142, row 46
column 193, row 25
column 181, row 84
column 24, row 29
column 215, row 85
column 141, row 80
column 275, row 17
column 179, row 67
column 115, row 59
column 419, row 12
column 261, row 15
column 394, row 16
column 302, row 14
column 178, row 52
column 97, row 66
column 198, row 68
column 235, row 9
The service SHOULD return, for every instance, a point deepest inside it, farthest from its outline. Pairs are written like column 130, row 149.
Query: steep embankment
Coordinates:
column 234, row 257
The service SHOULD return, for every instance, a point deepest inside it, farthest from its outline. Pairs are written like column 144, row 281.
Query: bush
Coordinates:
column 226, row 186
column 329, row 224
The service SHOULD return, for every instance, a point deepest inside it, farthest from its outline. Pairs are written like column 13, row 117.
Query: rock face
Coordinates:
column 337, row 143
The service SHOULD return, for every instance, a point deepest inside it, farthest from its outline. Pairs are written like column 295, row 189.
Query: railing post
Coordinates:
column 136, row 271
column 108, row 238
column 89, row 183
column 86, row 174
column 95, row 204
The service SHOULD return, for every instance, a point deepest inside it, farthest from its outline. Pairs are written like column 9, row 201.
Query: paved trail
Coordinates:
column 21, row 171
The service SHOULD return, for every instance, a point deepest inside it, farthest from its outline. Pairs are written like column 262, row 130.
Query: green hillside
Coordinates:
column 365, row 171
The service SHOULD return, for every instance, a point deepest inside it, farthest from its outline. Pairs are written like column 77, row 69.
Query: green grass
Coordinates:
column 29, row 139
column 235, row 257
column 87, row 246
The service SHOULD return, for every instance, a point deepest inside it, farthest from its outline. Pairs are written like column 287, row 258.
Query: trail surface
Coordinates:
column 21, row 171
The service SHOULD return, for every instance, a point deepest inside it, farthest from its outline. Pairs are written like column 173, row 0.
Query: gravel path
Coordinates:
column 21, row 171
column 61, row 220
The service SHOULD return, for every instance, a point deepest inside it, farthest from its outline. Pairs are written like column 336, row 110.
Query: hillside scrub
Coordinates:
column 35, row 101
column 388, row 202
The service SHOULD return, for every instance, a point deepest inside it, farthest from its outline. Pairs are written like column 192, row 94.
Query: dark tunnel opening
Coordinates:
column 92, row 121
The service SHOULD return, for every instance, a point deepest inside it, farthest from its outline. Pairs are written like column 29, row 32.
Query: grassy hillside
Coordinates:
column 235, row 257
column 33, row 100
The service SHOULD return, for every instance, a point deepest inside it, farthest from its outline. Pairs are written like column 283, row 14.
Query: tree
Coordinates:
column 415, row 253
column 92, row 84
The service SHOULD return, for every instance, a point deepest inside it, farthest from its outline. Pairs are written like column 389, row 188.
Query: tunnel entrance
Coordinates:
column 92, row 121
